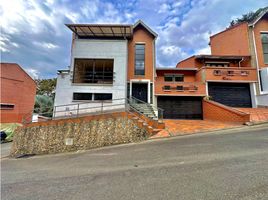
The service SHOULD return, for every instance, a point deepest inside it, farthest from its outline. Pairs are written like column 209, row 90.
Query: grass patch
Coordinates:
column 9, row 129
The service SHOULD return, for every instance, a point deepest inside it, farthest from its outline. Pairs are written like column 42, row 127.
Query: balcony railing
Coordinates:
column 97, row 78
column 180, row 88
column 232, row 73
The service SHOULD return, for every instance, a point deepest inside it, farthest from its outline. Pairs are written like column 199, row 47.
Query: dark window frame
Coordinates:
column 82, row 93
column 265, row 54
column 137, row 71
column 7, row 106
column 173, row 77
column 103, row 94
column 94, row 75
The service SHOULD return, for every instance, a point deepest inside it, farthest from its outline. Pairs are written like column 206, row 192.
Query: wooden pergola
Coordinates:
column 102, row 30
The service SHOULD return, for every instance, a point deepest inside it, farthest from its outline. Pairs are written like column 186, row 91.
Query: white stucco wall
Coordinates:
column 94, row 49
column 262, row 100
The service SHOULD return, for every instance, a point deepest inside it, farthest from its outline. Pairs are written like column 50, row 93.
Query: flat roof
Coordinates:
column 102, row 30
column 177, row 69
column 219, row 57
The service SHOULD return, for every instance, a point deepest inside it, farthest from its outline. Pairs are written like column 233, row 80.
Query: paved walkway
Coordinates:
column 185, row 127
column 256, row 114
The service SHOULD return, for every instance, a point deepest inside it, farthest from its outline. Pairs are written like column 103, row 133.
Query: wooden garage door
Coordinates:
column 180, row 107
column 230, row 94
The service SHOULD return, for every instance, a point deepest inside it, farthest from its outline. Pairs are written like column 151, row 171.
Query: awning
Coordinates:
column 102, row 30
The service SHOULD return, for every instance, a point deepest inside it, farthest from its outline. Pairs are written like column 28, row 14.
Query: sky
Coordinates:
column 34, row 35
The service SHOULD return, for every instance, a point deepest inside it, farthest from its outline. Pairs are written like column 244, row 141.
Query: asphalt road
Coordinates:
column 222, row 165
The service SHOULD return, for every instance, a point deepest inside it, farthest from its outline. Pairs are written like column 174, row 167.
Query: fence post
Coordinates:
column 101, row 106
column 54, row 111
column 77, row 112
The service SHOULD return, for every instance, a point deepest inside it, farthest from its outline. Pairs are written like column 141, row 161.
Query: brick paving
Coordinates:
column 185, row 127
column 256, row 114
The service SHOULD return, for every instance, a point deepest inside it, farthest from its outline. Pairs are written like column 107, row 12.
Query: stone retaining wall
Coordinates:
column 78, row 134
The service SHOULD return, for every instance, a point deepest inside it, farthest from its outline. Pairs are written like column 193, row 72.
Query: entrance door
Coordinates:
column 140, row 91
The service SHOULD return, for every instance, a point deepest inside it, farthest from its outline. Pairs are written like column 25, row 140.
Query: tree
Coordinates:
column 247, row 17
column 46, row 87
column 43, row 105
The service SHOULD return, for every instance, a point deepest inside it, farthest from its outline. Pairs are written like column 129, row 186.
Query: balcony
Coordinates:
column 180, row 88
column 244, row 74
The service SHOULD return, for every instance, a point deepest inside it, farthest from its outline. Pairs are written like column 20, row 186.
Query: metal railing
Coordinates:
column 93, row 108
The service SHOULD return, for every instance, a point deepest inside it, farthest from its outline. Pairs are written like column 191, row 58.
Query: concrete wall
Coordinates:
column 94, row 49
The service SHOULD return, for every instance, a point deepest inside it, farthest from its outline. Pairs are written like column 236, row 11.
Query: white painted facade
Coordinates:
column 95, row 49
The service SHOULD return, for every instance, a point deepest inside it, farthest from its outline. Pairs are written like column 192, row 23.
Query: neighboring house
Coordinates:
column 248, row 39
column 107, row 62
column 17, row 93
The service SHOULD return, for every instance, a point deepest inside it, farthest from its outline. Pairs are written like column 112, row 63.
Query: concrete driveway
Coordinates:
column 223, row 165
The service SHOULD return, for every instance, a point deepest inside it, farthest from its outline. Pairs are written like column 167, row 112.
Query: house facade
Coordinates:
column 113, row 62
column 248, row 39
column 17, row 93
column 108, row 63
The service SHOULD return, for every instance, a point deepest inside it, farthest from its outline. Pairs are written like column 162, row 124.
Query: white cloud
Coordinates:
column 34, row 73
column 46, row 45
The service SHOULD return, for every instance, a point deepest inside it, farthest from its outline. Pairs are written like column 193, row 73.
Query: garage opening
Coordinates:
column 176, row 107
column 231, row 94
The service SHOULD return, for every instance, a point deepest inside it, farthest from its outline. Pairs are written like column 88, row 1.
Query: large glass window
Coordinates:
column 99, row 71
column 139, row 59
column 82, row 96
column 174, row 78
column 103, row 96
column 264, row 39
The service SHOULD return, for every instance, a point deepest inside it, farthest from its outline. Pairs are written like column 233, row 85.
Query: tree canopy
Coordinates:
column 247, row 17
column 46, row 87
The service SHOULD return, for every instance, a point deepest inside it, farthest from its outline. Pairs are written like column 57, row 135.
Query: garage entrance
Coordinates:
column 176, row 107
column 231, row 94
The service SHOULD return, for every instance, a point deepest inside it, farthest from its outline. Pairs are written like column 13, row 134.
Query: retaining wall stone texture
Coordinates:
column 51, row 138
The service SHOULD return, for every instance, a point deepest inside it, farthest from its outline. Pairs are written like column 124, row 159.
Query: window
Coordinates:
column 139, row 59
column 103, row 96
column 168, row 78
column 264, row 39
column 179, row 88
column 99, row 71
column 4, row 106
column 174, row 78
column 179, row 78
column 216, row 64
column 166, row 87
column 82, row 96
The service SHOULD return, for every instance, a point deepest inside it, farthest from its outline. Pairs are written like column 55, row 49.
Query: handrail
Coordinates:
column 74, row 112
column 145, row 103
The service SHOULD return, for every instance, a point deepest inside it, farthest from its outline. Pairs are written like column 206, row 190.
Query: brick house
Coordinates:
column 17, row 93
column 112, row 62
column 235, row 74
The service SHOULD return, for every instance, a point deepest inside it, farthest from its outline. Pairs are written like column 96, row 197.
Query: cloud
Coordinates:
column 33, row 73
column 33, row 33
